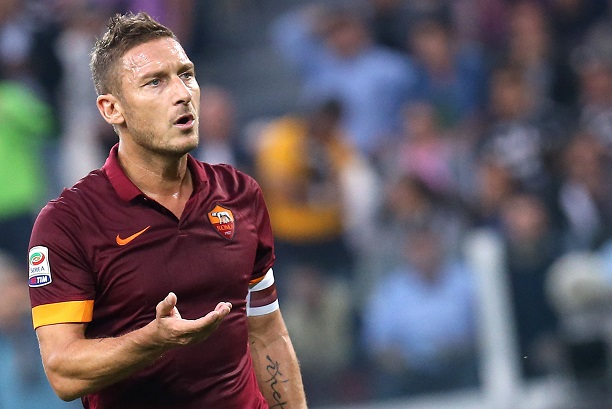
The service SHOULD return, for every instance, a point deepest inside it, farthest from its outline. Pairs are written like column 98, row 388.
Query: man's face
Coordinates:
column 160, row 97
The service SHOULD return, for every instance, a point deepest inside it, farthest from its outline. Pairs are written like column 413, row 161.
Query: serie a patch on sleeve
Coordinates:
column 40, row 270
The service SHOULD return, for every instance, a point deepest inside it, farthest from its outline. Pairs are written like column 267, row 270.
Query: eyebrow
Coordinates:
column 190, row 66
column 187, row 67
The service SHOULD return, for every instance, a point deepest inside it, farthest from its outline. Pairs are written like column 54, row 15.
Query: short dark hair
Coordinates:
column 124, row 32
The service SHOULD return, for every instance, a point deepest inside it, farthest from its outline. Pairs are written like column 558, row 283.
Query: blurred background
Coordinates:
column 438, row 173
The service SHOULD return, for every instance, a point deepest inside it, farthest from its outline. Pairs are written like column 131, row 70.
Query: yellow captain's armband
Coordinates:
column 62, row 312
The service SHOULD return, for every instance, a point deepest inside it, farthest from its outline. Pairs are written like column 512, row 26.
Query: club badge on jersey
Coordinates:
column 222, row 219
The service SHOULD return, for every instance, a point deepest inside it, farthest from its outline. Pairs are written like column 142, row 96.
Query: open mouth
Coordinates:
column 185, row 120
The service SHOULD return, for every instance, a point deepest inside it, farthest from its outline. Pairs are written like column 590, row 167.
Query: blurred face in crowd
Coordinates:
column 8, row 8
column 430, row 43
column 407, row 198
column 420, row 122
column 525, row 218
column 596, row 82
column 495, row 185
column 509, row 94
column 529, row 33
column 424, row 253
column 347, row 36
column 583, row 160
column 157, row 105
column 216, row 115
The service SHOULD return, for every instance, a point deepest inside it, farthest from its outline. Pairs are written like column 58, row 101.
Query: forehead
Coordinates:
column 152, row 56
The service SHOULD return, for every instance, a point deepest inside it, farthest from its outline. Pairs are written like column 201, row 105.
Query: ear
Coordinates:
column 111, row 109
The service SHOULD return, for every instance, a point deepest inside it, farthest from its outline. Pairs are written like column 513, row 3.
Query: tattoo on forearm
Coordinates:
column 276, row 377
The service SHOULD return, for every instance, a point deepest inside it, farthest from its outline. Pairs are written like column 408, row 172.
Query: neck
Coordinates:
column 163, row 178
column 152, row 172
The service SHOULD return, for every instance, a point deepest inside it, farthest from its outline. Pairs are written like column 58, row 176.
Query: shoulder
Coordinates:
column 94, row 186
column 394, row 280
column 389, row 64
column 73, row 203
column 460, row 274
column 390, row 58
column 471, row 56
column 228, row 178
column 283, row 128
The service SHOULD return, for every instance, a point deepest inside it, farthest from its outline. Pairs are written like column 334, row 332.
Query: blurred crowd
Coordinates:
column 438, row 146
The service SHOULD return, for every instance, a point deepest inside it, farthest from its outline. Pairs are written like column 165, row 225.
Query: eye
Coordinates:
column 154, row 82
column 188, row 75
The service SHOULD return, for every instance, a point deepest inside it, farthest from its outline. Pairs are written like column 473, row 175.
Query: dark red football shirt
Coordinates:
column 106, row 254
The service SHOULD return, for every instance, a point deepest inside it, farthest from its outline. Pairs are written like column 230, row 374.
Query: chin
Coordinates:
column 185, row 145
column 185, row 149
column 176, row 150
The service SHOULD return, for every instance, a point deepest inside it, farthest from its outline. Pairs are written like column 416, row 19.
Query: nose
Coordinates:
column 182, row 93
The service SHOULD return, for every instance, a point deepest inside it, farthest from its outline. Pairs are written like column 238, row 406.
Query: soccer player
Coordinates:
column 151, row 279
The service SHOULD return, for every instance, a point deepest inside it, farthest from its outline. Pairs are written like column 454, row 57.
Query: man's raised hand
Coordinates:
column 173, row 330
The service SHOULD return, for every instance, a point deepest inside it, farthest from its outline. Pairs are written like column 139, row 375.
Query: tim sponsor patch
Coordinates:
column 40, row 270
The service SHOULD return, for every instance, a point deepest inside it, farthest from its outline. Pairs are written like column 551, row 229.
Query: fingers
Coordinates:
column 215, row 317
column 170, row 318
column 223, row 308
column 171, row 299
column 167, row 306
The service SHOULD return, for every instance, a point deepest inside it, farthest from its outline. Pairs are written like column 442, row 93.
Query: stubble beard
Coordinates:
column 165, row 145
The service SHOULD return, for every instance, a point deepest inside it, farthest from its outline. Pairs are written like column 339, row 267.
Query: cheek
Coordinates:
column 146, row 115
column 195, row 98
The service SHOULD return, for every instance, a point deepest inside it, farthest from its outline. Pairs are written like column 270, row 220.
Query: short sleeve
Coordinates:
column 264, row 259
column 60, row 279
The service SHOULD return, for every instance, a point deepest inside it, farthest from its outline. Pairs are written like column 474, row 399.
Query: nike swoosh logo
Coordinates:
column 123, row 242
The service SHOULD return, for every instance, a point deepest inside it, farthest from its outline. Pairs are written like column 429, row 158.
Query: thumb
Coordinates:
column 166, row 307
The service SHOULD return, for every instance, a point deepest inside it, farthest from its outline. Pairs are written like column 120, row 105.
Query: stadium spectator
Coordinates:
column 572, row 20
column 336, row 57
column 585, row 195
column 532, row 48
column 450, row 74
column 300, row 162
column 219, row 141
column 521, row 135
column 22, row 378
column 424, row 150
column 494, row 186
column 389, row 23
column 593, row 60
column 84, row 135
column 391, row 20
column 25, row 122
column 531, row 244
column 319, row 304
column 427, row 342
column 409, row 205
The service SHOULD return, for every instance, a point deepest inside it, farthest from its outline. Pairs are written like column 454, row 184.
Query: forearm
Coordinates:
column 77, row 366
column 84, row 366
column 277, row 370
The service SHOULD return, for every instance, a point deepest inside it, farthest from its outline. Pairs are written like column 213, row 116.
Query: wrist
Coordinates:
column 148, row 341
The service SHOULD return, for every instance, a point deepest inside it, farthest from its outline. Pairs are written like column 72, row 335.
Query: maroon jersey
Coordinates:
column 105, row 254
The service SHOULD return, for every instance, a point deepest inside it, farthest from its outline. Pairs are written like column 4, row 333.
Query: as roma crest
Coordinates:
column 223, row 220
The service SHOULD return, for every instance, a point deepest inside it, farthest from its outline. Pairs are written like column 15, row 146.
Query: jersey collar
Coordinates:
column 127, row 190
